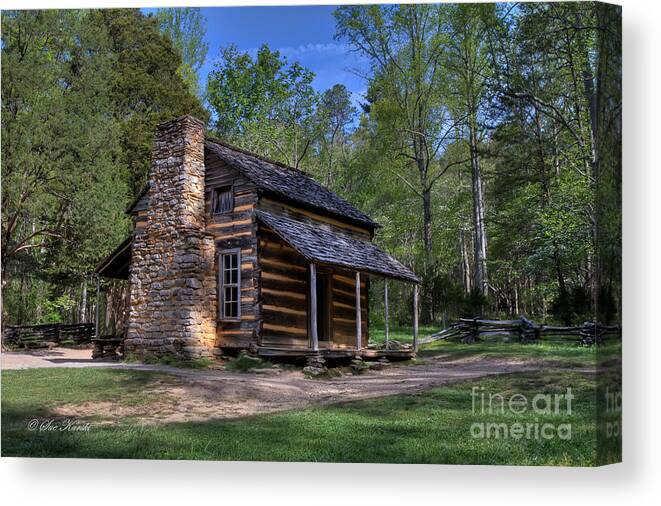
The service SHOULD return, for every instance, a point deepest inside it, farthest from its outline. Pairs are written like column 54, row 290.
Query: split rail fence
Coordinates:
column 41, row 336
column 470, row 330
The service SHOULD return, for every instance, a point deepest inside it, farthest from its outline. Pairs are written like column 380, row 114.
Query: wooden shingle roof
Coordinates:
column 286, row 182
column 320, row 244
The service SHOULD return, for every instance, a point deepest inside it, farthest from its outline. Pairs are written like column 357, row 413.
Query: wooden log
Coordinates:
column 359, row 326
column 385, row 308
column 281, row 340
column 280, row 267
column 338, row 278
column 348, row 298
column 289, row 285
column 470, row 329
column 278, row 294
column 500, row 323
column 98, row 304
column 279, row 277
column 281, row 309
column 415, row 318
column 286, row 319
column 313, row 308
column 282, row 328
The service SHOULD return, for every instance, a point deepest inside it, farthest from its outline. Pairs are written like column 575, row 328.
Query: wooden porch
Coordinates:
column 334, row 353
column 327, row 348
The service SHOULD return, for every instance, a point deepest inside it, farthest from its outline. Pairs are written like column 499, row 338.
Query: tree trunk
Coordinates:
column 427, row 223
column 591, row 99
column 422, row 163
column 465, row 262
column 82, row 315
column 481, row 278
column 516, row 299
column 565, row 309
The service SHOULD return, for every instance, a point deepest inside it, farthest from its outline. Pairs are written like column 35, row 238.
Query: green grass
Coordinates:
column 567, row 353
column 563, row 355
column 430, row 427
column 33, row 393
column 245, row 363
column 193, row 363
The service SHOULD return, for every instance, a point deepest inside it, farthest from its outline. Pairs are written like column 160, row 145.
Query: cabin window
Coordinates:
column 229, row 282
column 223, row 200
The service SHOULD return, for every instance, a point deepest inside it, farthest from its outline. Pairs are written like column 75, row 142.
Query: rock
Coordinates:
column 358, row 365
column 314, row 371
column 316, row 366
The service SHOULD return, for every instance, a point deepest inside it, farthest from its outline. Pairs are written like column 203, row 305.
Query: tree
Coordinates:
column 469, row 67
column 185, row 27
column 53, row 89
column 563, row 91
column 406, row 47
column 608, row 163
column 145, row 86
column 265, row 104
column 82, row 93
column 334, row 115
column 500, row 120
column 63, row 190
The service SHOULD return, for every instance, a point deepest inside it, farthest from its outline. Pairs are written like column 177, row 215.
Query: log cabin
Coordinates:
column 230, row 250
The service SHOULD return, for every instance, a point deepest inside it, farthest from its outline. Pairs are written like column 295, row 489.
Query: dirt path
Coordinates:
column 188, row 394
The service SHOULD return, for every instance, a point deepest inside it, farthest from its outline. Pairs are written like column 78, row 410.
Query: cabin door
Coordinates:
column 324, row 306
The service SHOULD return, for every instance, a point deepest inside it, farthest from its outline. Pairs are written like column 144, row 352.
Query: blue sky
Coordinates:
column 303, row 34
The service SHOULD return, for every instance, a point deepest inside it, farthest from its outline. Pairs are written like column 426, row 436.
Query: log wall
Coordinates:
column 237, row 229
column 343, row 303
column 285, row 298
column 283, row 293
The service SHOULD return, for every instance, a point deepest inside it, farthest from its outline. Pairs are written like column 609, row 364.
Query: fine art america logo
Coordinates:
column 541, row 406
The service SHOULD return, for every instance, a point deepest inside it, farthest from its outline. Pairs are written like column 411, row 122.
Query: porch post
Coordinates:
column 98, row 304
column 415, row 318
column 359, row 323
column 313, row 307
column 385, row 301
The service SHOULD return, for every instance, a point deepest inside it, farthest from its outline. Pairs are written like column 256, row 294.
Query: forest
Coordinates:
column 487, row 145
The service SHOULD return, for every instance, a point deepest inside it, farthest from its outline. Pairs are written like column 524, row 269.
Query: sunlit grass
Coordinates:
column 563, row 353
column 428, row 427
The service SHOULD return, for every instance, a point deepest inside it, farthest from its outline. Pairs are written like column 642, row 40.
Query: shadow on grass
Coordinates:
column 429, row 427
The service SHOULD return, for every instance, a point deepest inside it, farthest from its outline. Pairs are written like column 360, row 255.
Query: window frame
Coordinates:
column 215, row 194
column 222, row 285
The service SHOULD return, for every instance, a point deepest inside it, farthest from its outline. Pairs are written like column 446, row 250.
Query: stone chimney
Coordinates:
column 172, row 282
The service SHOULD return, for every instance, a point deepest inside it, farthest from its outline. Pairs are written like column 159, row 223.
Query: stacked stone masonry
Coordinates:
column 172, row 280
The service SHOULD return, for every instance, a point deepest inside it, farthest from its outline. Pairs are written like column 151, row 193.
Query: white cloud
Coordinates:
column 309, row 49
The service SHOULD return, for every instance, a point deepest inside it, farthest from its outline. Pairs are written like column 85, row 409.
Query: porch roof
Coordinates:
column 116, row 264
column 326, row 246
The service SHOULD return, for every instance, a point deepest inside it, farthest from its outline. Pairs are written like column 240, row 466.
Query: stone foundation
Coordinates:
column 172, row 280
